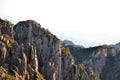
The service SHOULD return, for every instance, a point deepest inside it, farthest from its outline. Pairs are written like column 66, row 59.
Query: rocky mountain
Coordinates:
column 104, row 60
column 117, row 46
column 30, row 52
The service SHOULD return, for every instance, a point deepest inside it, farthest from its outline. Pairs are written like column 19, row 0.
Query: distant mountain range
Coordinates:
column 116, row 45
column 70, row 43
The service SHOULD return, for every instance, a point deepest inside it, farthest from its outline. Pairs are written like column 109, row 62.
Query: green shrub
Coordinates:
column 48, row 32
column 81, row 66
column 6, row 36
column 9, row 77
column 1, row 25
column 96, row 76
column 1, row 71
column 8, row 45
column 39, row 75
column 66, row 52
column 8, row 22
column 90, row 69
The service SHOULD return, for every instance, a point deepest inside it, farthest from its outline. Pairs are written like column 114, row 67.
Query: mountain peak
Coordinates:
column 70, row 43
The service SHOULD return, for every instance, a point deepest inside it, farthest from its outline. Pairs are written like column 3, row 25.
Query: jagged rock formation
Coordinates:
column 31, row 51
column 46, row 45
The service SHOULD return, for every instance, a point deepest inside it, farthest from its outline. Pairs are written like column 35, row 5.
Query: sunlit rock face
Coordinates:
column 45, row 45
column 29, row 50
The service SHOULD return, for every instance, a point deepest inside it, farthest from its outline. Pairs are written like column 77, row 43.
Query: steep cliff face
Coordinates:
column 72, row 71
column 104, row 63
column 98, row 57
column 68, row 67
column 19, row 60
column 104, row 60
column 111, row 69
column 46, row 46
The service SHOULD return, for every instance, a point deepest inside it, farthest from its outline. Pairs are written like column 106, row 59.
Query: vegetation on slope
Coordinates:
column 4, row 75
column 38, row 75
column 66, row 51
column 84, row 72
column 81, row 54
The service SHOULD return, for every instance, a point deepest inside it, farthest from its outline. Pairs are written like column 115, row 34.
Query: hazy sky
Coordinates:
column 86, row 22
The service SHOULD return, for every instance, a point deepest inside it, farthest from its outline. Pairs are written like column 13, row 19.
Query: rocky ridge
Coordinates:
column 104, row 60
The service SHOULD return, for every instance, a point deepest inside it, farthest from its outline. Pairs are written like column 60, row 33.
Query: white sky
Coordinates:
column 85, row 22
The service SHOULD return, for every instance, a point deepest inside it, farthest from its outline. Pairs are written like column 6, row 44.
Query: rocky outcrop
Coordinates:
column 46, row 46
column 6, row 27
column 18, row 59
column 68, row 67
column 30, row 52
